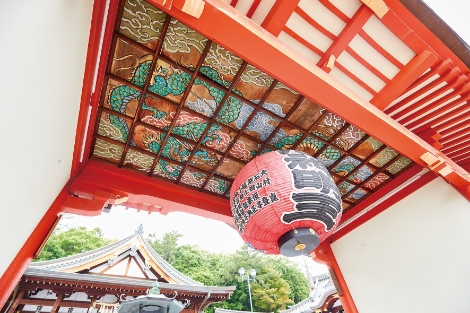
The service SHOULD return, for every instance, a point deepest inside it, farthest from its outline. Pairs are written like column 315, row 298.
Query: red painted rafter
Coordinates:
column 297, row 37
column 455, row 83
column 403, row 79
column 438, row 69
column 278, row 16
column 351, row 29
column 459, row 154
column 330, row 6
column 456, row 127
column 458, row 134
column 447, row 76
column 450, row 149
column 253, row 8
column 423, row 34
column 464, row 156
column 367, row 65
column 436, row 104
column 379, row 48
column 446, row 115
column 454, row 117
column 355, row 78
column 404, row 33
column 314, row 23
column 456, row 144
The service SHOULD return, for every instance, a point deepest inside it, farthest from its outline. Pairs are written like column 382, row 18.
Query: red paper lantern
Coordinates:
column 285, row 202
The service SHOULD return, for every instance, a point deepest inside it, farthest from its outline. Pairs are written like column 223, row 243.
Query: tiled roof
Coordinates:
column 71, row 262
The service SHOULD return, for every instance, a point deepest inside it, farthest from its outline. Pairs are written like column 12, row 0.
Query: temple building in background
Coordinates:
column 98, row 280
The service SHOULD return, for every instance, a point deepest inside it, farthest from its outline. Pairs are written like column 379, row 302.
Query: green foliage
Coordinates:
column 271, row 292
column 278, row 283
column 291, row 273
column 167, row 246
column 72, row 241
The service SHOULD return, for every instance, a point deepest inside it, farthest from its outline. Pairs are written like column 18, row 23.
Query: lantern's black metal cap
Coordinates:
column 298, row 241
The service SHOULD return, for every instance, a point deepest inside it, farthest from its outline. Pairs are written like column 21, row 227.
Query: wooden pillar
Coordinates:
column 16, row 302
column 324, row 254
column 55, row 307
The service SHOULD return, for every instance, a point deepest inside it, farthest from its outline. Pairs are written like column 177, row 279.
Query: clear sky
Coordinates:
column 455, row 13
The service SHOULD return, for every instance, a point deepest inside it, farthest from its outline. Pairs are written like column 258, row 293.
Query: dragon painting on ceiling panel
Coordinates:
column 194, row 113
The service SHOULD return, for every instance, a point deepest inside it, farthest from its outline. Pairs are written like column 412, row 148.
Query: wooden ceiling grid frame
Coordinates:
column 242, row 129
column 334, row 141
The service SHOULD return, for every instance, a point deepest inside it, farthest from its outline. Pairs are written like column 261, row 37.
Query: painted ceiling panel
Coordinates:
column 178, row 107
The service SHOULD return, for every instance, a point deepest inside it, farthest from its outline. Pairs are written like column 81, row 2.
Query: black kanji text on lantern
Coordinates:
column 321, row 202
column 247, row 201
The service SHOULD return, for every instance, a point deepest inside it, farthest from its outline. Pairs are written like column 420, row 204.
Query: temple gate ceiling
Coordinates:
column 178, row 107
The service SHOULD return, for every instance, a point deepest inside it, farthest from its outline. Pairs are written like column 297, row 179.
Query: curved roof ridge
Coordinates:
column 168, row 268
column 90, row 256
column 76, row 259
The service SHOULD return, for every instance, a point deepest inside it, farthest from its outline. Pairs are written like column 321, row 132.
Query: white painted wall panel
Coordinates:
column 43, row 49
column 414, row 257
column 299, row 48
column 348, row 82
column 262, row 11
column 322, row 16
column 360, row 71
column 388, row 40
column 347, row 7
column 243, row 6
column 373, row 57
column 302, row 28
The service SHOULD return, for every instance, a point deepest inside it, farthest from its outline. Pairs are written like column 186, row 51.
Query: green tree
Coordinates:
column 166, row 246
column 72, row 241
column 292, row 274
column 270, row 293
column 196, row 263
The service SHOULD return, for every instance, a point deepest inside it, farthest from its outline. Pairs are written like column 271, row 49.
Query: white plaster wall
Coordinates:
column 414, row 257
column 43, row 46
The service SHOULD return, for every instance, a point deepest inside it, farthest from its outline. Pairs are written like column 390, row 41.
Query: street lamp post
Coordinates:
column 241, row 271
